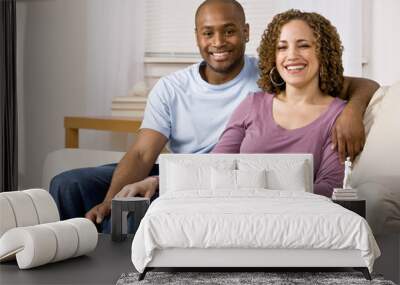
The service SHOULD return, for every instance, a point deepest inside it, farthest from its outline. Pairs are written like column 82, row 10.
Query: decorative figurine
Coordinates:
column 347, row 174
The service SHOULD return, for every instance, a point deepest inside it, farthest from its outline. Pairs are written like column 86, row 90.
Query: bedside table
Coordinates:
column 137, row 205
column 357, row 206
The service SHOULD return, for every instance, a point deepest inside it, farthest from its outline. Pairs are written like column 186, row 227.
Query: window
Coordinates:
column 170, row 35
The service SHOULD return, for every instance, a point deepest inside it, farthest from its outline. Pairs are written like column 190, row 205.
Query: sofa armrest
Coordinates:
column 383, row 203
column 66, row 159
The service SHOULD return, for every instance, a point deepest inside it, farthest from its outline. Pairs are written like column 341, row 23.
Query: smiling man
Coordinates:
column 189, row 110
column 221, row 34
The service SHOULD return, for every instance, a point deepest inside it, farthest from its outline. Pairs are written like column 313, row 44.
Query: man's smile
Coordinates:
column 220, row 55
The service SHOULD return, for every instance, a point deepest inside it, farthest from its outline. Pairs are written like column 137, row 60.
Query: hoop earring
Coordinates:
column 276, row 84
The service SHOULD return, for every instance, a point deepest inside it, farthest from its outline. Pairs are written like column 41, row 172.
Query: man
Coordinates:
column 189, row 109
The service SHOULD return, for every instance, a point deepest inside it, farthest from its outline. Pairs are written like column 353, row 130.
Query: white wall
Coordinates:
column 68, row 65
column 382, row 41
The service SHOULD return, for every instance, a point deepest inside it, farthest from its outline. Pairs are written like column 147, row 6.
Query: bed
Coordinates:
column 245, row 210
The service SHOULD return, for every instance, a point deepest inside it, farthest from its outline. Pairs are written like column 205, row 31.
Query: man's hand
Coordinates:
column 99, row 212
column 348, row 134
column 145, row 188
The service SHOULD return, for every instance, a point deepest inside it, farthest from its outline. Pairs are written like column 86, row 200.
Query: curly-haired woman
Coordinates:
column 301, row 75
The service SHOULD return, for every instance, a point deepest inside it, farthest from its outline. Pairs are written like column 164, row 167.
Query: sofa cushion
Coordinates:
column 376, row 172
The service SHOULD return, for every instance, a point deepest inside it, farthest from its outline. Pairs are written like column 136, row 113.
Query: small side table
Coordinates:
column 72, row 126
column 357, row 206
column 137, row 205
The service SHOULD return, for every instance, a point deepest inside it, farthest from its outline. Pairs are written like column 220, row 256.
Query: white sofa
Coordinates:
column 70, row 158
column 376, row 174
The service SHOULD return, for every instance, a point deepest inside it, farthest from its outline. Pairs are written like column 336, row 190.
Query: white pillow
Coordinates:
column 193, row 175
column 282, row 174
column 223, row 179
column 237, row 179
column 251, row 178
column 292, row 179
column 183, row 177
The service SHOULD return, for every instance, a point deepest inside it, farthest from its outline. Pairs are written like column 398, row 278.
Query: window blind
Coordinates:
column 169, row 26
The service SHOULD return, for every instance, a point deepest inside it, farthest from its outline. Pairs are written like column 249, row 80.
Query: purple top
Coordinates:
column 252, row 129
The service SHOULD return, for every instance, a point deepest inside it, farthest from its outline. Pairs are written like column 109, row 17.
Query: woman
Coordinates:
column 301, row 75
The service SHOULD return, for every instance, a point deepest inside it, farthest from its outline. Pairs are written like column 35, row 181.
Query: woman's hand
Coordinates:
column 348, row 134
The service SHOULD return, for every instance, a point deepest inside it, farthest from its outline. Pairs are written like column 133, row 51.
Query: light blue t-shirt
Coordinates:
column 192, row 113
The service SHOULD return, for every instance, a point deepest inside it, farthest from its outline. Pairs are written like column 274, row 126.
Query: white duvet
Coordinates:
column 250, row 219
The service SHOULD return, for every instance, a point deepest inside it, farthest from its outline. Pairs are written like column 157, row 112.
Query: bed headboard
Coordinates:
column 283, row 171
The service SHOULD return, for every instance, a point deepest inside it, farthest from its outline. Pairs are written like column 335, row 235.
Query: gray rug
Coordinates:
column 242, row 278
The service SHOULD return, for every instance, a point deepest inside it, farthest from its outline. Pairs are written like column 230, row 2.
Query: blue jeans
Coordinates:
column 79, row 190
